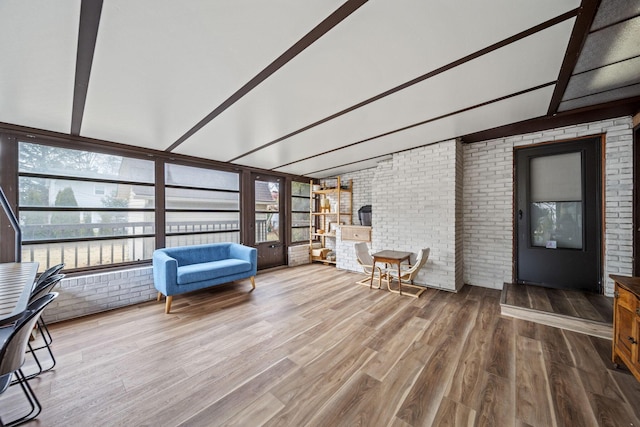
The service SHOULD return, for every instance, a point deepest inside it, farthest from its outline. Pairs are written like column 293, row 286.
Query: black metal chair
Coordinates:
column 47, row 273
column 43, row 289
column 15, row 340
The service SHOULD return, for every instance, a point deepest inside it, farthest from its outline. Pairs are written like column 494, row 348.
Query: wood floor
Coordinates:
column 311, row 347
column 577, row 311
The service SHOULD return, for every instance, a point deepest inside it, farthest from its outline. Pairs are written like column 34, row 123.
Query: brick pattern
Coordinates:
column 80, row 296
column 362, row 189
column 414, row 206
column 298, row 255
column 488, row 197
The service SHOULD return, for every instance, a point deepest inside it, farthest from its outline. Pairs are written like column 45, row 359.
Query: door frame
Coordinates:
column 601, row 211
column 250, row 214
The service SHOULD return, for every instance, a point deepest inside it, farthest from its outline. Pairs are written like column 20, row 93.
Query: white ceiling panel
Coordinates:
column 38, row 41
column 525, row 64
column 522, row 107
column 382, row 45
column 160, row 67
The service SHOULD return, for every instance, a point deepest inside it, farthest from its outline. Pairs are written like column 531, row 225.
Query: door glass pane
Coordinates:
column 556, row 224
column 267, row 206
column 557, row 178
column 556, row 201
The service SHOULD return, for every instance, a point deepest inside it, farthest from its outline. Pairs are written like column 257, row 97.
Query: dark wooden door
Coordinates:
column 268, row 220
column 558, row 215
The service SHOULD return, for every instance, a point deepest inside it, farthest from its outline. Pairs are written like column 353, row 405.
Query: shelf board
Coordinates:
column 324, row 261
column 324, row 234
column 331, row 213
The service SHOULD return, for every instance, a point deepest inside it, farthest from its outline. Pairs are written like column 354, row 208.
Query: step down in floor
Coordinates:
column 584, row 326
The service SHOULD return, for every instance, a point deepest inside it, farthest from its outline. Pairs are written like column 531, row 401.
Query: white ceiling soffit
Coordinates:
column 375, row 49
column 518, row 108
column 160, row 67
column 525, row 64
column 38, row 41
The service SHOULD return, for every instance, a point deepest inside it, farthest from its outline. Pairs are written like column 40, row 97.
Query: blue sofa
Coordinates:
column 188, row 268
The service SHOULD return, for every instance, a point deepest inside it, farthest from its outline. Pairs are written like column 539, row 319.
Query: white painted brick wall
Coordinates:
column 299, row 255
column 488, row 197
column 414, row 206
column 362, row 189
column 83, row 295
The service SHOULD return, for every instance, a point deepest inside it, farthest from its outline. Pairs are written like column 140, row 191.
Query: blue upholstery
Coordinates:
column 188, row 268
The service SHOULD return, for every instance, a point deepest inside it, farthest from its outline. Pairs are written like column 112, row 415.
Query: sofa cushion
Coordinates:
column 196, row 254
column 211, row 270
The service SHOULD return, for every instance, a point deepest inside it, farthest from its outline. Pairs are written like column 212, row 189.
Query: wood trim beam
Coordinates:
column 90, row 12
column 579, row 35
column 321, row 29
column 625, row 107
column 447, row 67
column 423, row 122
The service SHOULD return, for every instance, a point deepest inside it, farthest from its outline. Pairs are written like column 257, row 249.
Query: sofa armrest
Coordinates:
column 245, row 253
column 165, row 272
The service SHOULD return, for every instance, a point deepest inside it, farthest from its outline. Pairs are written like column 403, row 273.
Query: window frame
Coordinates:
column 62, row 209
column 11, row 134
column 294, row 211
column 167, row 210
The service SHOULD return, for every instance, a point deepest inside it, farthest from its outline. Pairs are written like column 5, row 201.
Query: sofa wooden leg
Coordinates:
column 167, row 306
column 159, row 296
column 253, row 282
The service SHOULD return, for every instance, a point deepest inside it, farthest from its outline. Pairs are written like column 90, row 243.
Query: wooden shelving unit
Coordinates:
column 330, row 208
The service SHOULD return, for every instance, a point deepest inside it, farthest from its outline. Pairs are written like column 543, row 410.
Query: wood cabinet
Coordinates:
column 626, row 323
column 330, row 207
column 357, row 233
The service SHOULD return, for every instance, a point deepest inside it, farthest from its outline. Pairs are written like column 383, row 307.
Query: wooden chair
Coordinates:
column 366, row 262
column 408, row 274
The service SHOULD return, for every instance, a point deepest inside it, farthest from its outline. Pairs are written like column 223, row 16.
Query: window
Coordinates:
column 84, row 208
column 300, row 208
column 202, row 205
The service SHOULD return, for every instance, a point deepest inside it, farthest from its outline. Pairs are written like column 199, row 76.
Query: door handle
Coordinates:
column 632, row 340
column 519, row 213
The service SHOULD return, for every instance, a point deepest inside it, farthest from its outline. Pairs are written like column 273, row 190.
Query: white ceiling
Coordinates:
column 310, row 88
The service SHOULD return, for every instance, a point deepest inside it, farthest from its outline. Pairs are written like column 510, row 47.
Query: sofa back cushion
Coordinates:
column 196, row 254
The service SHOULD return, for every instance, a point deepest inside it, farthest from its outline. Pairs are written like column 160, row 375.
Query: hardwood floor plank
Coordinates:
column 465, row 384
column 560, row 304
column 494, row 408
column 533, row 404
column 388, row 354
column 235, row 402
column 582, row 352
column 630, row 389
column 501, row 360
column 522, row 299
column 304, row 391
column 611, row 412
column 539, row 299
column 603, row 305
column 582, row 306
column 571, row 405
column 310, row 346
column 342, row 407
column 454, row 414
column 257, row 412
column 554, row 344
column 423, row 400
